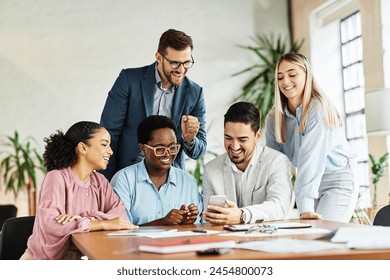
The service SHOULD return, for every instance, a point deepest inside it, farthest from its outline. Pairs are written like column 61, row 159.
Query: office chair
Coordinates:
column 6, row 212
column 14, row 236
column 382, row 218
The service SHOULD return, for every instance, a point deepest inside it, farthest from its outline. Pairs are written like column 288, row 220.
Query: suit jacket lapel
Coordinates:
column 253, row 178
column 147, row 85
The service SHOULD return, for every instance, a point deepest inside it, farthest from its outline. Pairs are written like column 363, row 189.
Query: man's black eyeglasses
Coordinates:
column 176, row 64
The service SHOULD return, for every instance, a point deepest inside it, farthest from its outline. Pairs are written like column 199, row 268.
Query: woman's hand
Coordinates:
column 66, row 218
column 113, row 224
column 173, row 218
column 190, row 215
column 310, row 216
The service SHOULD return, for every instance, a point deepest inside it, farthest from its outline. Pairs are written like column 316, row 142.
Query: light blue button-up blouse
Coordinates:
column 318, row 151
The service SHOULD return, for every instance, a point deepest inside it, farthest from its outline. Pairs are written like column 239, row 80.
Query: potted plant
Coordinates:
column 199, row 166
column 18, row 165
column 377, row 169
column 259, row 90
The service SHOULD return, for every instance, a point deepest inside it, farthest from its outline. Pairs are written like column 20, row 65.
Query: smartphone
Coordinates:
column 213, row 251
column 238, row 227
column 217, row 200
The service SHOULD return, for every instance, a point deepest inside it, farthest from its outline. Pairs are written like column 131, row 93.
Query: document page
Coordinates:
column 371, row 237
column 288, row 245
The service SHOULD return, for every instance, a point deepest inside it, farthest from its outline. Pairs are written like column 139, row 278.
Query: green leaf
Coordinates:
column 378, row 167
column 383, row 158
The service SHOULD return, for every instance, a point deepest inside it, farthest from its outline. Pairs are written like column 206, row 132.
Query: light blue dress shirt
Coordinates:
column 144, row 203
column 163, row 98
column 318, row 151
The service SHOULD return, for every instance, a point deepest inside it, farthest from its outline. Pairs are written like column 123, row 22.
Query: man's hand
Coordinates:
column 190, row 215
column 225, row 216
column 189, row 127
column 310, row 216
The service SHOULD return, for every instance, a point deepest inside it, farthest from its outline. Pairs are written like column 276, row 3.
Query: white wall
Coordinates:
column 59, row 59
column 385, row 8
column 385, row 5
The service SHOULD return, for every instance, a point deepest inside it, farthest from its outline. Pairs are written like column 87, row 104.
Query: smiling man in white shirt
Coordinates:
column 255, row 179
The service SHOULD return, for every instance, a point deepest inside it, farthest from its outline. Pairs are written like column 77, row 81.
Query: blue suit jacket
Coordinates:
column 131, row 100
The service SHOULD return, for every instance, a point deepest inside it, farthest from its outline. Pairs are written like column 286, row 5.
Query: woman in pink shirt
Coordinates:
column 73, row 197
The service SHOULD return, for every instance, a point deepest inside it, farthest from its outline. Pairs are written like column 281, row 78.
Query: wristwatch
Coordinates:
column 243, row 217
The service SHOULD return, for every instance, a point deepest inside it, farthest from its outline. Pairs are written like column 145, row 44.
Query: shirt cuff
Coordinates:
column 84, row 224
column 188, row 144
column 305, row 205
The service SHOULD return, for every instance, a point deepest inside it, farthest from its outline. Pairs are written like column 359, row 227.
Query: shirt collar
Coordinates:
column 143, row 175
column 298, row 112
column 159, row 81
column 251, row 162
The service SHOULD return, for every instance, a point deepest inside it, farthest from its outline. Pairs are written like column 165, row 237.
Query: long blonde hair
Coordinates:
column 311, row 93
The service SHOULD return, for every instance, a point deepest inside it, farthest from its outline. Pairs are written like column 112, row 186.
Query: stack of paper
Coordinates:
column 373, row 237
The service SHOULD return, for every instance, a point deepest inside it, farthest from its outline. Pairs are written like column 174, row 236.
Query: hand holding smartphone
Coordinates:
column 217, row 200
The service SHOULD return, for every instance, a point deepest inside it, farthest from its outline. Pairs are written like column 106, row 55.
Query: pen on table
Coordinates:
column 199, row 231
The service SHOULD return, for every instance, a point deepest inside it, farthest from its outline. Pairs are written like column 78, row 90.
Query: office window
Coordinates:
column 353, row 87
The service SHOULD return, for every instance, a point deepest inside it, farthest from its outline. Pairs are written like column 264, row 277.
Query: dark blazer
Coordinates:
column 131, row 100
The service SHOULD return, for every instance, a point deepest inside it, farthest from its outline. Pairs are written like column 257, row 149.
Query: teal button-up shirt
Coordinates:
column 144, row 203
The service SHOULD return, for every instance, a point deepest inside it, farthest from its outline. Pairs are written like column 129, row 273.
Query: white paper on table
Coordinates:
column 288, row 245
column 280, row 232
column 370, row 237
column 177, row 234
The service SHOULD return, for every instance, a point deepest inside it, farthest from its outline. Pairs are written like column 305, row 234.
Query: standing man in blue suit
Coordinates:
column 161, row 88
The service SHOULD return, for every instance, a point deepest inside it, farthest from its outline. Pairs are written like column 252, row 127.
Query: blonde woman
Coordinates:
column 305, row 126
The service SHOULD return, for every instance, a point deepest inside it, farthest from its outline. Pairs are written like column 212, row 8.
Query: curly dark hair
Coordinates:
column 244, row 112
column 150, row 124
column 175, row 39
column 60, row 149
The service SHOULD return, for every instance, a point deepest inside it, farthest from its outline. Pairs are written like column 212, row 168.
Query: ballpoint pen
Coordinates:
column 199, row 231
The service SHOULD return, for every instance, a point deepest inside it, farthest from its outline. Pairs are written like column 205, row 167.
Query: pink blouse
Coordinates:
column 63, row 193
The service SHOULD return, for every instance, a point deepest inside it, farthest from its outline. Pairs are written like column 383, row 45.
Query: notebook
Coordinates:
column 187, row 245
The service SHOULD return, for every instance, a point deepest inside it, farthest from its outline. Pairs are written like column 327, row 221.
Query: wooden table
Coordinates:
column 98, row 246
